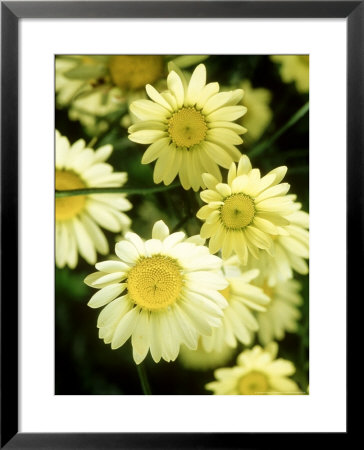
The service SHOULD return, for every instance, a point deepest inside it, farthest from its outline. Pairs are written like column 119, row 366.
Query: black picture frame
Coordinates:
column 11, row 13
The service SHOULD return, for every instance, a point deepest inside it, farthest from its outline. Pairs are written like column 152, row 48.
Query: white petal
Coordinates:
column 196, row 84
column 140, row 337
column 105, row 295
column 126, row 252
column 160, row 230
column 125, row 328
column 175, row 85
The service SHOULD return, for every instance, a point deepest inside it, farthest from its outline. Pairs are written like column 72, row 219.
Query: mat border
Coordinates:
column 11, row 12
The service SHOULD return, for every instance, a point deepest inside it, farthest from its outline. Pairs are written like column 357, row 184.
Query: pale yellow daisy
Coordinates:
column 244, row 299
column 200, row 359
column 259, row 114
column 294, row 68
column 162, row 293
column 282, row 313
column 79, row 218
column 190, row 128
column 289, row 253
column 257, row 372
column 244, row 214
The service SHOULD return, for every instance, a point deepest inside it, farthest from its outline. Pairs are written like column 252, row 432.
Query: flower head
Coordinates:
column 257, row 372
column 190, row 128
column 259, row 114
column 243, row 298
column 242, row 215
column 289, row 252
column 282, row 313
column 200, row 359
column 162, row 292
column 95, row 86
column 294, row 68
column 79, row 218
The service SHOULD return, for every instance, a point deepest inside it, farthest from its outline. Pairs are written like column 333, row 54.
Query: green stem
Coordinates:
column 144, row 380
column 260, row 148
column 114, row 190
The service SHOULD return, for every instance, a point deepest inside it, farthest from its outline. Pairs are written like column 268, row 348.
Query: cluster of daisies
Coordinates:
column 195, row 298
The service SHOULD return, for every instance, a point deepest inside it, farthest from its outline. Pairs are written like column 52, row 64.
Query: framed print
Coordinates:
column 186, row 143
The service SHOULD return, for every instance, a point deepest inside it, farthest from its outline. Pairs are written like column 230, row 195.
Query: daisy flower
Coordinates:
column 243, row 298
column 294, row 68
column 200, row 359
column 190, row 128
column 259, row 114
column 257, row 372
column 289, row 253
column 79, row 218
column 244, row 214
column 282, row 313
column 162, row 293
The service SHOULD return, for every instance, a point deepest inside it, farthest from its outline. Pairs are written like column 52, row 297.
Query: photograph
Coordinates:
column 181, row 224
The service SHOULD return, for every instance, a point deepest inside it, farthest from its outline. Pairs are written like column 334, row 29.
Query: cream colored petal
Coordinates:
column 175, row 85
column 155, row 150
column 196, row 84
column 84, row 242
column 105, row 295
column 215, row 102
column 103, row 216
column 224, row 135
column 156, row 96
column 174, row 165
column 209, row 180
column 227, row 113
column 96, row 234
column 160, row 230
column 147, row 125
column 209, row 90
column 217, row 154
column 140, row 338
column 228, row 125
column 210, row 196
column 136, row 241
column 125, row 328
column 148, row 110
column 126, row 252
column 147, row 136
column 153, row 247
column 209, row 164
column 112, row 266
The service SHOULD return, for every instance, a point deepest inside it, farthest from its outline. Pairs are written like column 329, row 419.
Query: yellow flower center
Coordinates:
column 226, row 292
column 187, row 127
column 254, row 383
column 268, row 290
column 135, row 71
column 237, row 212
column 155, row 282
column 69, row 207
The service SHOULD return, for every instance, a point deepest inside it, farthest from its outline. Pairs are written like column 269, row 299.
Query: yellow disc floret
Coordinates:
column 187, row 127
column 68, row 207
column 155, row 282
column 135, row 71
column 226, row 292
column 237, row 212
column 253, row 383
